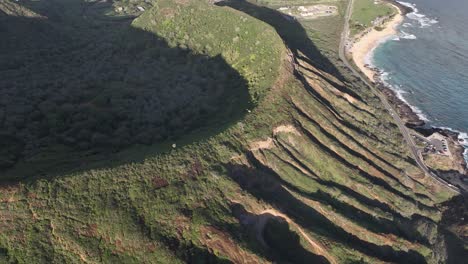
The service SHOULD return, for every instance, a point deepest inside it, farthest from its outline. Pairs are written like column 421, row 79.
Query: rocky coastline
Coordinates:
column 453, row 136
column 404, row 9
column 413, row 121
column 411, row 118
column 406, row 113
column 457, row 172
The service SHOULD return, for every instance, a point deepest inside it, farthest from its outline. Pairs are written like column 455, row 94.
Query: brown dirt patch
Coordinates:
column 8, row 193
column 286, row 129
column 195, row 170
column 182, row 2
column 219, row 241
column 265, row 144
column 90, row 230
column 167, row 12
column 159, row 183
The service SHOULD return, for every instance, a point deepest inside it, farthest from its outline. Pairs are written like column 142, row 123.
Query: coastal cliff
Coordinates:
column 285, row 157
column 362, row 50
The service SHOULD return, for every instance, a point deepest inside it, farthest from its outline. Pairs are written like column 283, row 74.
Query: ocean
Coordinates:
column 427, row 63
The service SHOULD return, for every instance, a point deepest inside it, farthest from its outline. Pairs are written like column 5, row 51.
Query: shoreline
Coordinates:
column 362, row 51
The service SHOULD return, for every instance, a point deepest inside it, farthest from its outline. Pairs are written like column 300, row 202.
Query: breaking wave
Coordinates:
column 462, row 136
column 406, row 25
column 405, row 35
column 384, row 77
column 422, row 19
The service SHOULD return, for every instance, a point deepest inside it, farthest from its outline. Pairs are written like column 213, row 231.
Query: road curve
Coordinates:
column 401, row 125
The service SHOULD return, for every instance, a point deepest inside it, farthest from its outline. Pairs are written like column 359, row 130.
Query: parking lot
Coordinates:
column 435, row 144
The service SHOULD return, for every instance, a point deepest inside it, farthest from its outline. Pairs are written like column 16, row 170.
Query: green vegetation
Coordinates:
column 245, row 45
column 281, row 3
column 99, row 88
column 324, row 31
column 290, row 131
column 367, row 11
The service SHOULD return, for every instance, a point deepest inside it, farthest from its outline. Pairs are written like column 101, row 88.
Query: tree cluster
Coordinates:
column 99, row 85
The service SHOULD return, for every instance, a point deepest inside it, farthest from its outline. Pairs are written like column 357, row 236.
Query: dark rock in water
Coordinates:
column 448, row 133
column 425, row 131
column 404, row 9
column 414, row 124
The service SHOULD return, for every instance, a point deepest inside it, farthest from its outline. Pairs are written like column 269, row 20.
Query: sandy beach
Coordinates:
column 361, row 49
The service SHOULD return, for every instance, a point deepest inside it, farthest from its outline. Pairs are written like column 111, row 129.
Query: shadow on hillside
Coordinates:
column 290, row 30
column 295, row 37
column 452, row 219
column 264, row 187
column 273, row 231
column 400, row 226
column 81, row 90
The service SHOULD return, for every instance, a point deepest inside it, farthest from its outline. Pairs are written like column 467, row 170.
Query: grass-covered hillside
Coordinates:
column 367, row 11
column 281, row 156
column 76, row 83
column 251, row 49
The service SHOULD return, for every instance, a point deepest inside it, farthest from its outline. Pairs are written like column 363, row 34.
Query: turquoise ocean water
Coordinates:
column 427, row 63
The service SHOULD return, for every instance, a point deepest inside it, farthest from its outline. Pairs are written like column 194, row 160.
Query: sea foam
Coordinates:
column 463, row 140
column 422, row 19
column 406, row 25
column 399, row 91
column 405, row 35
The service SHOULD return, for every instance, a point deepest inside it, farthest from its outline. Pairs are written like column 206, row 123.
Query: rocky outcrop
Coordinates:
column 403, row 109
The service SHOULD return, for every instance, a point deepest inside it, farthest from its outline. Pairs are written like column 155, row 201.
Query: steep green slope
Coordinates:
column 316, row 152
column 248, row 47
column 96, row 85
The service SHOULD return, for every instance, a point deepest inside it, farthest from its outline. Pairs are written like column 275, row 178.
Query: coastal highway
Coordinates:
column 401, row 125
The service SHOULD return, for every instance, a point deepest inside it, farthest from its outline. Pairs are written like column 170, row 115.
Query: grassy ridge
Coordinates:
column 119, row 86
column 335, row 167
column 141, row 212
column 250, row 48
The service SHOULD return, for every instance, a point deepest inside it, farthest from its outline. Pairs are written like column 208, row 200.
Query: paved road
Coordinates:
column 401, row 125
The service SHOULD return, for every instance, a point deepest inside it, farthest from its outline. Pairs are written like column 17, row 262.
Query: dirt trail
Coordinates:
column 265, row 144
column 285, row 129
column 317, row 248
